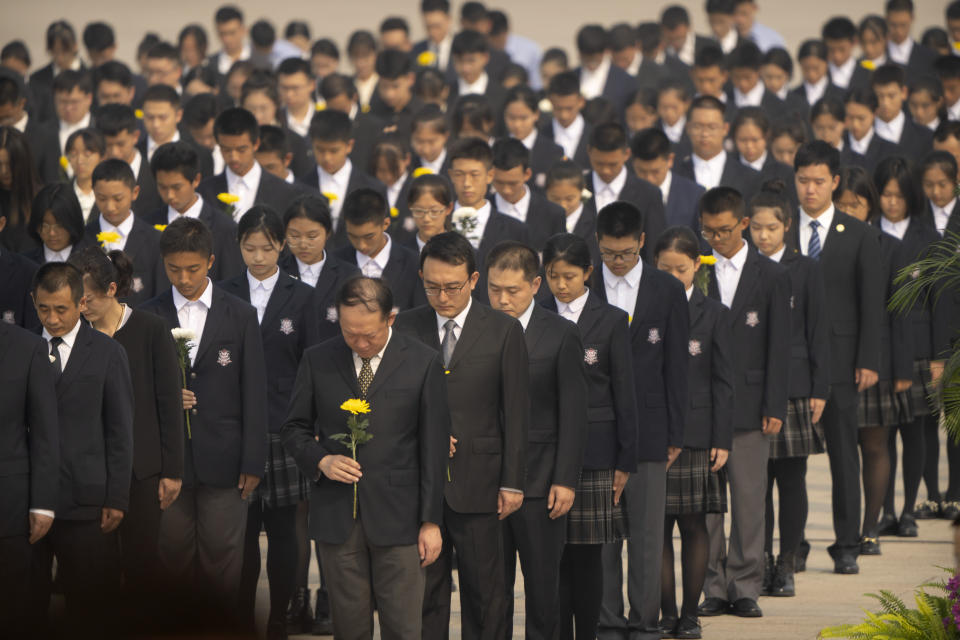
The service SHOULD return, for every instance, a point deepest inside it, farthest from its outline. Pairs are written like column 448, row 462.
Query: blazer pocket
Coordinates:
column 656, row 400
column 845, row 328
column 601, row 414
column 542, row 435
column 755, row 376
column 486, row 445
column 402, row 477
column 701, row 400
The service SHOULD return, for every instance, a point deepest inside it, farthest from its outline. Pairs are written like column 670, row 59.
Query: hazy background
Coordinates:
column 550, row 23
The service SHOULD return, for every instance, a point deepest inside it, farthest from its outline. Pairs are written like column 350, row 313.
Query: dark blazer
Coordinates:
column 16, row 281
column 544, row 154
column 682, row 201
column 495, row 67
column 915, row 245
column 544, row 219
column 915, row 142
column 682, row 148
column 580, row 155
column 651, row 74
column 401, row 272
column 143, row 248
column 877, row 150
column 648, row 198
column 920, row 61
column 760, row 328
column 204, row 155
column 810, row 341
column 149, row 198
column 402, row 119
column 558, row 403
column 659, row 336
column 896, row 344
column 45, row 147
column 488, row 391
column 797, row 100
column 735, row 174
column 854, row 295
column 227, row 262
column 229, row 423
column 404, row 462
column 288, row 328
column 29, row 437
column 95, row 413
column 157, row 409
column 335, row 272
column 37, row 256
column 273, row 192
column 358, row 180
column 366, row 129
column 773, row 169
column 770, row 104
column 710, row 376
column 586, row 228
column 608, row 363
column 499, row 227
column 617, row 88
column 495, row 96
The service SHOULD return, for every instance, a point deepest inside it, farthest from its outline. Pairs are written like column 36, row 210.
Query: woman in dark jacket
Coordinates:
column 56, row 224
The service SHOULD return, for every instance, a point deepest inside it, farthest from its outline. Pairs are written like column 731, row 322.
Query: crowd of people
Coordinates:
column 444, row 308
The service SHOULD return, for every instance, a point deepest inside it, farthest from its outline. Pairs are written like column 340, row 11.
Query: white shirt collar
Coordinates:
column 518, row 209
column 267, row 284
column 758, row 165
column 381, row 259
column 341, row 178
column 631, row 278
column 251, row 180
column 592, row 82
column 729, row 42
column 896, row 229
column 861, row 146
column 69, row 338
column 206, row 298
column 675, row 131
column 665, row 187
column 152, row 144
column 634, row 67
column 709, row 172
column 815, row 91
column 689, row 293
column 478, row 87
column 437, row 164
column 21, row 124
column 900, row 53
column 736, row 262
column 890, row 131
column 574, row 218
column 57, row 256
column 574, row 307
column 525, row 317
column 74, row 65
column 193, row 211
column 687, row 52
column 459, row 319
column 124, row 229
column 310, row 273
column 842, row 75
column 614, row 187
column 83, row 123
column 374, row 360
column 752, row 98
column 224, row 61
column 778, row 256
column 569, row 137
column 393, row 191
column 530, row 140
column 825, row 219
column 953, row 111
column 941, row 215
column 136, row 162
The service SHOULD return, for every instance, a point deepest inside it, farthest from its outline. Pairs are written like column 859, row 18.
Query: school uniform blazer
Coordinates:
column 29, row 437
column 682, row 201
column 334, row 273
column 735, row 174
column 854, row 295
column 797, row 100
column 499, row 227
column 920, row 61
column 945, row 312
column 488, row 392
column 861, row 78
column 809, row 328
column 404, row 464
column 648, row 198
column 366, row 129
column 586, row 228
column 37, row 256
column 204, row 155
column 229, row 423
column 401, row 273
column 915, row 244
column 771, row 105
column 682, row 148
column 95, row 414
column 157, row 401
column 617, row 87
column 759, row 321
column 612, row 427
column 544, row 219
column 710, row 376
column 16, row 281
column 227, row 259
column 580, row 157
column 877, row 150
column 896, row 344
column 495, row 95
column 288, row 328
column 544, row 154
column 659, row 336
column 45, row 145
column 149, row 198
column 358, row 180
column 773, row 169
column 915, row 142
column 272, row 191
column 143, row 248
column 402, row 120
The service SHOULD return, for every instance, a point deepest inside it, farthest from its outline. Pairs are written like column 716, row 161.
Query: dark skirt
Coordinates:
column 799, row 437
column 283, row 485
column 880, row 406
column 920, row 402
column 692, row 487
column 594, row 519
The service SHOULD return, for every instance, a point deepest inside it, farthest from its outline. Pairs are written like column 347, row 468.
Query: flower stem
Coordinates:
column 353, row 448
column 186, row 413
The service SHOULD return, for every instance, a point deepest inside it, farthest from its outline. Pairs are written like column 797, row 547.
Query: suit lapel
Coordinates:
column 344, row 363
column 696, row 306
column 392, row 361
column 645, row 294
column 279, row 297
column 78, row 354
column 491, row 233
column 591, row 313
column 535, row 328
column 469, row 334
column 326, row 279
column 748, row 280
column 215, row 316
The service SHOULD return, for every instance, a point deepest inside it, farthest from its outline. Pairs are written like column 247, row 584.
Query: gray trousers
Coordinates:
column 645, row 497
column 359, row 573
column 735, row 568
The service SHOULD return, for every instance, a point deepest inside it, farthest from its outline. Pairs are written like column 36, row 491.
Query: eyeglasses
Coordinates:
column 46, row 227
column 612, row 256
column 709, row 234
column 450, row 291
column 433, row 214
column 697, row 127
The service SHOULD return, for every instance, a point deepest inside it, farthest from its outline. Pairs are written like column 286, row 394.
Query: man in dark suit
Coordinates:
column 710, row 165
column 610, row 180
column 597, row 74
column 902, row 49
column 849, row 253
column 16, row 277
column 340, row 93
column 511, row 176
column 116, row 227
column 893, row 123
column 389, row 528
column 757, row 292
column 120, row 128
column 567, row 127
column 43, row 142
column 555, row 442
column 238, row 135
column 225, row 396
column 94, row 402
column 747, row 90
column 471, row 54
column 652, row 160
column 30, row 471
column 659, row 331
column 486, row 366
column 371, row 249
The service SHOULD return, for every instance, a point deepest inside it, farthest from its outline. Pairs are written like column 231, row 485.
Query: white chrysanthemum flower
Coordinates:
column 464, row 213
column 181, row 333
column 586, row 194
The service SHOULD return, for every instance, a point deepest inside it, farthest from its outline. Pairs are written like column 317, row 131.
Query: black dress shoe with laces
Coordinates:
column 713, row 607
column 746, row 608
column 846, row 565
column 667, row 626
column 887, row 526
column 907, row 527
column 688, row 628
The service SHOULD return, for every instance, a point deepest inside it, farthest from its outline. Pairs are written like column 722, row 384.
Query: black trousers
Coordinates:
column 841, row 430
column 478, row 541
column 530, row 533
column 282, row 550
column 139, row 535
column 15, row 554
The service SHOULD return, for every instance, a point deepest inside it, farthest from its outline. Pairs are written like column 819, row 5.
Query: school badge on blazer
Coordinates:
column 331, row 314
column 653, row 337
column 753, row 318
column 286, row 326
column 136, row 285
column 9, row 317
column 590, row 356
column 694, row 348
column 409, row 225
column 223, row 358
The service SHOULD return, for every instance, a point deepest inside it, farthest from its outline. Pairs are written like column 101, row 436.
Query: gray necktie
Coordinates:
column 449, row 341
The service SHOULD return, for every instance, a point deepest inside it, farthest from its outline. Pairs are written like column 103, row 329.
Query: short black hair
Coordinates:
column 680, row 239
column 791, row 127
column 942, row 160
column 600, row 110
column 12, row 88
column 472, row 149
column 592, row 39
column 114, row 119
column 511, row 255
column 361, row 40
column 16, row 50
column 70, row 79
column 273, row 139
column 102, row 269
column 609, row 136
column 817, row 152
column 473, row 110
column 394, row 23
column 314, row 208
column 392, row 64
column 751, row 115
column 263, row 34
column 60, row 32
column 114, row 170
column 264, row 219
column 650, row 144
column 620, row 219
column 839, row 28
column 622, row 36
column 936, row 38
column 325, row 47
column 226, row 13
column 707, row 102
column 509, row 153
column 165, row 51
column 162, row 93
column 337, row 84
column 674, row 84
column 371, row 293
column 746, row 55
column 261, row 81
column 947, row 67
column 98, row 36
column 146, row 43
column 568, row 247
column 780, row 57
column 430, row 113
column 296, row 28
column 291, row 66
column 953, row 10
column 946, row 129
column 469, row 41
column 204, row 73
column 429, row 85
column 61, row 201
column 899, row 5
column 53, row 276
column 186, row 235
column 177, row 156
column 499, row 23
column 674, row 16
column 710, row 56
column 720, row 6
column 563, row 171
column 722, row 199
column 889, row 74
column 514, row 72
column 195, row 31
column 92, row 139
column 565, row 83
column 199, row 110
column 236, row 122
column 557, row 55
column 113, row 71
column 427, row 6
column 473, row 12
column 828, row 105
column 451, row 248
column 331, row 125
column 862, row 96
column 650, row 35
column 812, row 49
column 364, row 206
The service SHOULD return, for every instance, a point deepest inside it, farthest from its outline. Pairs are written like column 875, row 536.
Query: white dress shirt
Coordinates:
column 729, row 42
column 310, row 273
column 665, row 187
column 393, row 191
column 518, row 209
column 778, row 256
column 890, row 131
column 218, row 163
column 752, row 98
column 193, row 211
column 435, row 165
column 687, row 52
column 244, row 187
column 87, row 200
column 953, row 111
column 896, row 229
column 224, row 61
column 442, row 51
column 373, row 267
column 607, row 193
column 64, row 132
column 365, row 88
column 758, row 164
column 622, row 290
column 592, row 82
column 483, row 216
column 152, row 144
column 568, row 137
column 374, row 360
column 728, row 271
column 192, row 314
column 675, row 131
column 709, row 172
column 302, row 126
column 941, row 216
column 21, row 124
column 815, row 91
column 530, row 140
column 49, row 255
column 123, row 230
column 525, row 316
column 825, row 219
column 572, row 310
column 65, row 347
column 477, row 87
column 260, row 291
column 900, row 53
column 574, row 218
column 860, row 146
column 337, row 185
column 136, row 162
column 458, row 321
column 842, row 75
column 933, row 124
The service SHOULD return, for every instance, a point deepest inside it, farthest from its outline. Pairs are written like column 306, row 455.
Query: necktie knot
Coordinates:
column 814, row 247
column 56, row 342
column 814, row 224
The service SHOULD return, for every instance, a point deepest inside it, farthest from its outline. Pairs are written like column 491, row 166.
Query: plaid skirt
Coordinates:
column 594, row 519
column 692, row 487
column 881, row 406
column 920, row 401
column 283, row 485
column 799, row 437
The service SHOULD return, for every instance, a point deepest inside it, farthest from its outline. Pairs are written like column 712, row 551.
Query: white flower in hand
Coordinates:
column 586, row 194
column 465, row 221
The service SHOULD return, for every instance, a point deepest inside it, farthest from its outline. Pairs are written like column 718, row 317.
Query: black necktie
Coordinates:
column 365, row 377
column 55, row 353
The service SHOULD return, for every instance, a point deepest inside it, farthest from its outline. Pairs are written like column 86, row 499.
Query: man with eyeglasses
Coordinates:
column 485, row 360
column 659, row 329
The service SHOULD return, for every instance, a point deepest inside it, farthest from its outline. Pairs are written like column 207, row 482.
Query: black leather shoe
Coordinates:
column 769, row 569
column 949, row 510
column 869, row 546
column 846, row 565
column 688, row 628
column 322, row 624
column 746, row 608
column 887, row 525
column 298, row 616
column 800, row 564
column 713, row 607
column 907, row 527
column 927, row 510
column 782, row 585
column 667, row 626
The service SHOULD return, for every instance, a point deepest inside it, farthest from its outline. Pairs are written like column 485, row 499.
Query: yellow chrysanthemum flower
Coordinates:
column 708, row 260
column 228, row 198
column 956, row 45
column 139, row 114
column 422, row 171
column 356, row 406
column 365, row 109
column 868, row 65
column 321, row 106
column 64, row 163
column 106, row 237
column 426, row 59
column 394, row 212
column 330, row 196
column 160, row 227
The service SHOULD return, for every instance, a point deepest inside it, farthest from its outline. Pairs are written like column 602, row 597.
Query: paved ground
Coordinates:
column 823, row 597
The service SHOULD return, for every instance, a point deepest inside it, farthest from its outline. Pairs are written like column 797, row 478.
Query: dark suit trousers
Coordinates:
column 478, row 540
column 360, row 573
column 282, row 552
column 139, row 537
column 538, row 540
column 840, row 428
column 15, row 552
column 646, row 496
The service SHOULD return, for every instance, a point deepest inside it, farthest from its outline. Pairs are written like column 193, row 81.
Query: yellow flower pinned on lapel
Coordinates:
column 868, row 65
column 956, row 45
column 330, row 196
column 107, row 237
column 422, row 171
column 356, row 406
column 365, row 108
column 841, row 228
column 321, row 106
column 160, row 227
column 708, row 259
column 138, row 113
column 446, row 372
column 228, row 198
column 64, row 163
column 629, row 319
column 426, row 59
column 394, row 212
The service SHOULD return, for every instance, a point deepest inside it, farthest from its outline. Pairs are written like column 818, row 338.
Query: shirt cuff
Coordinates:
column 44, row 512
column 511, row 490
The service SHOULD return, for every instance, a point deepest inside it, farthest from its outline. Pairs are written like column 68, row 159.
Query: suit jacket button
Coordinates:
column 193, row 411
column 193, row 375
